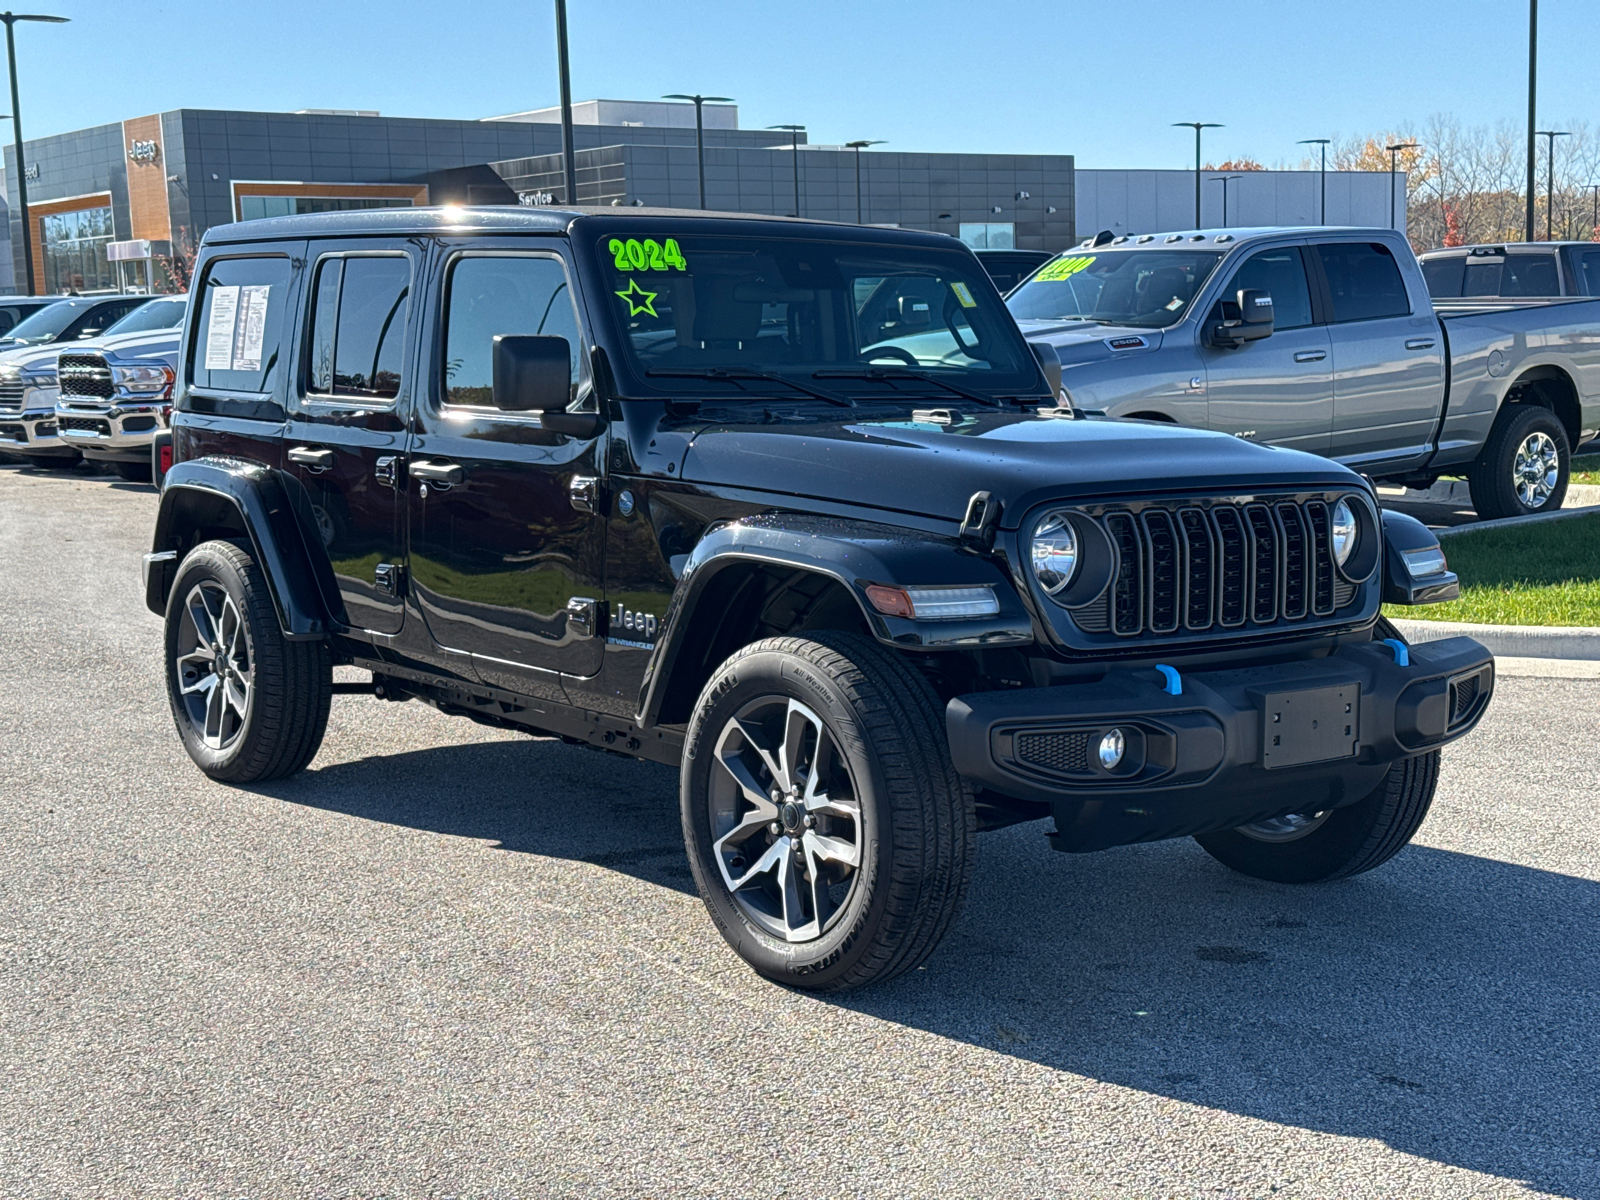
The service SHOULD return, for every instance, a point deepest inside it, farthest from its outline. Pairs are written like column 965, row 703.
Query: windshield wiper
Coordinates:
column 904, row 373
column 737, row 373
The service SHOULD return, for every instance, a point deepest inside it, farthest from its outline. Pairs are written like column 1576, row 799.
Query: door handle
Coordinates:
column 446, row 473
column 1311, row 356
column 1419, row 344
column 310, row 456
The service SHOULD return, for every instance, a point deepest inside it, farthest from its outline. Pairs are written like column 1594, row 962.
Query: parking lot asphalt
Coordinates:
column 449, row 961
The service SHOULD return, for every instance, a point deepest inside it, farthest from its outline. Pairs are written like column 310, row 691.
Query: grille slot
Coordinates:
column 11, row 395
column 1465, row 693
column 1189, row 567
column 85, row 425
column 1058, row 753
column 84, row 375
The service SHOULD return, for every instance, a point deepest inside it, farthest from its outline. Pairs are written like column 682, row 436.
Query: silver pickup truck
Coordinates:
column 1324, row 340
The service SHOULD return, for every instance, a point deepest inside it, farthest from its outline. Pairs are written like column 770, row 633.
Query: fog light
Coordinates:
column 1111, row 747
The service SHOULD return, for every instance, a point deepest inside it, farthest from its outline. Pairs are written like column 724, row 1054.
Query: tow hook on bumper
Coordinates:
column 1233, row 747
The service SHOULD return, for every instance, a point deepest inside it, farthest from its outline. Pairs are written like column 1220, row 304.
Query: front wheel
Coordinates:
column 1524, row 466
column 249, row 704
column 1314, row 846
column 829, row 834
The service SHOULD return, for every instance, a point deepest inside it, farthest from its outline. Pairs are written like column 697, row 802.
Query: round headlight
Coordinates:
column 1343, row 532
column 1054, row 553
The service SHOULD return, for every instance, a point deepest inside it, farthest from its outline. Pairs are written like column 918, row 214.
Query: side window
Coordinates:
column 1444, row 276
column 1530, row 275
column 358, row 325
column 1482, row 277
column 1365, row 281
column 1282, row 273
column 486, row 295
column 1588, row 272
column 236, row 339
column 8, row 318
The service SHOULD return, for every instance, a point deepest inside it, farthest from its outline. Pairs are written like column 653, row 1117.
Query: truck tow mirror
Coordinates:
column 532, row 373
column 1244, row 320
column 1050, row 362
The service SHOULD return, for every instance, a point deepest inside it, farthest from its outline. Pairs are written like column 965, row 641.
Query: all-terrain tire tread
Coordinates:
column 1407, row 795
column 1491, row 499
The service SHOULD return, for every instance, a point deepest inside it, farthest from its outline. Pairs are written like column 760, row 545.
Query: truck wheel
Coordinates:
column 249, row 705
column 829, row 834
column 1310, row 847
column 1524, row 465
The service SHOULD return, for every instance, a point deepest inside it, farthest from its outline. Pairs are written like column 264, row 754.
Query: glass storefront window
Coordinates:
column 989, row 235
column 74, row 245
column 256, row 208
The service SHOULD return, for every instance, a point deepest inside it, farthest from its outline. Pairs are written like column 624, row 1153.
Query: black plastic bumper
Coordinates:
column 1231, row 747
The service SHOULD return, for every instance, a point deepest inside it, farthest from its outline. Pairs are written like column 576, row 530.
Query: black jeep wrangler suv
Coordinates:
column 793, row 507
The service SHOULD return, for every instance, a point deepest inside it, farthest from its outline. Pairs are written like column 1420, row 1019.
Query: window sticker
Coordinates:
column 639, row 300
column 648, row 255
column 219, row 332
column 963, row 294
column 1062, row 268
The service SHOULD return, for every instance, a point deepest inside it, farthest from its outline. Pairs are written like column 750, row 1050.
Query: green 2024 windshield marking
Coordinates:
column 648, row 255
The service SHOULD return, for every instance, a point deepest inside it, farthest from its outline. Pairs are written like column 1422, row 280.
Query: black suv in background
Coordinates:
column 793, row 508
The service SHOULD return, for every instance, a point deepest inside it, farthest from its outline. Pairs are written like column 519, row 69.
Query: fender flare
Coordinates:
column 233, row 492
column 854, row 554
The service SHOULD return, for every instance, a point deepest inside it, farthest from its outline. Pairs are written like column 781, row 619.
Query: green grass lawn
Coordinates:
column 1547, row 573
column 1586, row 468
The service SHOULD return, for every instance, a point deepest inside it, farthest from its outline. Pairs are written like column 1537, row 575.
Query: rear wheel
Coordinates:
column 1524, row 466
column 829, row 834
column 249, row 704
column 1313, row 846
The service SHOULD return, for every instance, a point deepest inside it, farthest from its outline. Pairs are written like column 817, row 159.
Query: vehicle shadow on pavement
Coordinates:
column 1446, row 1005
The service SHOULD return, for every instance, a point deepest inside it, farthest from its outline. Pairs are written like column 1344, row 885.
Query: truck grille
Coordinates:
column 84, row 375
column 11, row 390
column 85, row 425
column 1190, row 567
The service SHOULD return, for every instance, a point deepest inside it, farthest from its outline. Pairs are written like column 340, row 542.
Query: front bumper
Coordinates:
column 34, row 432
column 121, row 430
column 1232, row 747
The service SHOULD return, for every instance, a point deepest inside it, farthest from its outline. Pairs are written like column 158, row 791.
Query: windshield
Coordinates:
column 845, row 318
column 1148, row 288
column 158, row 314
column 45, row 324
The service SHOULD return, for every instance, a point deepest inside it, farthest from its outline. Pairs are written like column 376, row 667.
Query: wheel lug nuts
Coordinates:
column 811, row 822
column 775, row 829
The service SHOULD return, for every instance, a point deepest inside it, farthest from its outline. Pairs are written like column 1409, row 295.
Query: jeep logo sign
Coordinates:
column 143, row 152
column 641, row 625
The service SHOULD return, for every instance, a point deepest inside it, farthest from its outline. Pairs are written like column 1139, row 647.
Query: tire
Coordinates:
column 52, row 462
column 267, row 718
column 1344, row 841
column 1523, row 436
column 133, row 472
column 912, row 835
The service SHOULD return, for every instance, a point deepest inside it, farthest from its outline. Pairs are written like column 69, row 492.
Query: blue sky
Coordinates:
column 1099, row 80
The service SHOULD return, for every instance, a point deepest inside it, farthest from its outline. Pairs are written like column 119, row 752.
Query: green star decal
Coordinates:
column 645, row 302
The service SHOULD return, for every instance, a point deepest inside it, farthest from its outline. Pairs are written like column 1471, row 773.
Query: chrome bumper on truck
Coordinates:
column 1217, row 749
column 32, row 433
column 123, row 430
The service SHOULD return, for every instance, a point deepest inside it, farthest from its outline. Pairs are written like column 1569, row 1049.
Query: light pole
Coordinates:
column 569, row 168
column 858, row 147
column 1595, row 223
column 700, row 133
column 1224, row 180
column 1322, row 217
column 1550, row 179
column 11, row 18
column 794, row 137
column 1197, row 126
column 1533, row 94
column 1394, row 169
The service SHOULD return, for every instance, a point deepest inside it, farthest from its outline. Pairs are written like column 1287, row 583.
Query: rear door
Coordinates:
column 507, row 532
column 346, row 435
column 1279, row 389
column 1388, row 357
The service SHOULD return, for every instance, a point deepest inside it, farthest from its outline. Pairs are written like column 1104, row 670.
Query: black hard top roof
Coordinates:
column 503, row 219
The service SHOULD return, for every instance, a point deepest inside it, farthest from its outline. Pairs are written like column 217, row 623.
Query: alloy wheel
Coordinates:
column 1285, row 829
column 786, row 822
column 213, row 665
column 1536, row 469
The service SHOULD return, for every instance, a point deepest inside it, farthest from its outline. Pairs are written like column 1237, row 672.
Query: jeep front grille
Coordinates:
column 1197, row 566
column 84, row 375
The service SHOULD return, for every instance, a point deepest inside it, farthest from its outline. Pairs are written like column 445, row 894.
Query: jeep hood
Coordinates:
column 902, row 464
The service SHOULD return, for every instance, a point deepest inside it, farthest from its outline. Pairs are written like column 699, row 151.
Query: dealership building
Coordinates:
column 110, row 205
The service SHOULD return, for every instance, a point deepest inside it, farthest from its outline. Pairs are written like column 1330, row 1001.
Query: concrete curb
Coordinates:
column 1578, row 643
column 1506, row 522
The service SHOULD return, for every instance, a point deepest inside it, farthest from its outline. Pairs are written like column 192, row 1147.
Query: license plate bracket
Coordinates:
column 1309, row 725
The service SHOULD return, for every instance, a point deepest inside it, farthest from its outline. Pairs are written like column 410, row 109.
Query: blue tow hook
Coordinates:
column 1174, row 684
column 1402, row 655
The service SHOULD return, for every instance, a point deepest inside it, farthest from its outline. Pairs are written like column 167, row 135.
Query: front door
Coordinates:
column 347, row 433
column 507, row 527
column 1279, row 389
column 1388, row 364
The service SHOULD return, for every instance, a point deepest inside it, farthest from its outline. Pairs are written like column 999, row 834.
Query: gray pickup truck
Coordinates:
column 1323, row 340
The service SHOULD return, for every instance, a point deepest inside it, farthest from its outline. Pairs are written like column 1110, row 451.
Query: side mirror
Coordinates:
column 1244, row 320
column 532, row 373
column 1050, row 361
